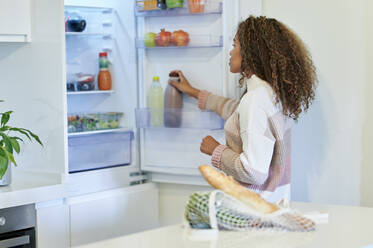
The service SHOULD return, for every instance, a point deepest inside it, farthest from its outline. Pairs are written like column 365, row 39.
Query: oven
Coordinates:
column 17, row 227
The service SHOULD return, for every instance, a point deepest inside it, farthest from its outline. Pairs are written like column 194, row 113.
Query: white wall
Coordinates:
column 32, row 84
column 327, row 142
column 367, row 168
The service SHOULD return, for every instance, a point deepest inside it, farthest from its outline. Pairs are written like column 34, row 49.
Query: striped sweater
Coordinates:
column 257, row 150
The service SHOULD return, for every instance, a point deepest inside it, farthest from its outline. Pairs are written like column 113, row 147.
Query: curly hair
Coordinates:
column 271, row 51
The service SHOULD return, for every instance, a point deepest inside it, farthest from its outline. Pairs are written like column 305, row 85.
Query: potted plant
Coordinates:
column 10, row 143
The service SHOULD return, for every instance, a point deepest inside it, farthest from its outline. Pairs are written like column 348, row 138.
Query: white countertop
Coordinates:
column 31, row 187
column 346, row 227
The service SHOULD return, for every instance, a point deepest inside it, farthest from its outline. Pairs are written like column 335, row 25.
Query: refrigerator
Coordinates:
column 118, row 28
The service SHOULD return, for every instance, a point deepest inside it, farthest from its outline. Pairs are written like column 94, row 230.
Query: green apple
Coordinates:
column 149, row 39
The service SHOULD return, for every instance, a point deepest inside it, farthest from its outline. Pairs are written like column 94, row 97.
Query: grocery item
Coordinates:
column 155, row 103
column 162, row 4
column 180, row 38
column 196, row 6
column 174, row 3
column 150, row 5
column 163, row 38
column 231, row 187
column 85, row 82
column 149, row 39
column 104, row 76
column 173, row 102
column 74, row 22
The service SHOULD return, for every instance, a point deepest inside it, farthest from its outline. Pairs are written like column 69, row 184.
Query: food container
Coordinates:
column 196, row 6
column 93, row 121
column 86, row 82
column 174, row 4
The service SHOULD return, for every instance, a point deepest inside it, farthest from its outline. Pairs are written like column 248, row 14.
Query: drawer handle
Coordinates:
column 2, row 221
column 23, row 240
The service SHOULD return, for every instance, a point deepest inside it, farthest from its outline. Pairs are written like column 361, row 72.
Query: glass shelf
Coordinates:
column 89, row 9
column 92, row 92
column 209, row 9
column 178, row 118
column 99, row 132
column 196, row 41
column 83, row 34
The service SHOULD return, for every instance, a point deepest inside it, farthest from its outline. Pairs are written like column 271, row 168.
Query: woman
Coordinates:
column 280, row 80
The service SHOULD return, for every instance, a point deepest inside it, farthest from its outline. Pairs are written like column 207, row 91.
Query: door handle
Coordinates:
column 23, row 240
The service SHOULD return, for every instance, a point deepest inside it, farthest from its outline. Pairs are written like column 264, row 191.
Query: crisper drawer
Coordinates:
column 95, row 151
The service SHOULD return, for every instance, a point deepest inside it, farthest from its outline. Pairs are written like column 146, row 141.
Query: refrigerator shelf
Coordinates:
column 89, row 9
column 210, row 8
column 114, row 130
column 91, row 92
column 188, row 119
column 195, row 41
column 94, row 35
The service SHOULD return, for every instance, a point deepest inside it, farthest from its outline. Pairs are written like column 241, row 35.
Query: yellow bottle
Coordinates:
column 156, row 103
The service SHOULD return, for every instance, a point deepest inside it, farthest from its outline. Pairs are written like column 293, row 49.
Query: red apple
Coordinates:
column 180, row 38
column 163, row 38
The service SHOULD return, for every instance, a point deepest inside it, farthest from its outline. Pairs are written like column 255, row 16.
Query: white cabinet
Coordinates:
column 113, row 213
column 52, row 224
column 15, row 21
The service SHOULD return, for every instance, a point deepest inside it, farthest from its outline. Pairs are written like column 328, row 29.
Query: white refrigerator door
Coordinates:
column 173, row 154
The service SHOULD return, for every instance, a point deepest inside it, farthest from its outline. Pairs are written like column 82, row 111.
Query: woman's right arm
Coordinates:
column 221, row 105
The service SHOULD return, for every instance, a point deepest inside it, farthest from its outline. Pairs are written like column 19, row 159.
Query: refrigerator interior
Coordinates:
column 118, row 28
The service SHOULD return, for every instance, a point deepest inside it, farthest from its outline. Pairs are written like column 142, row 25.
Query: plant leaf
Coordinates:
column 10, row 156
column 34, row 136
column 5, row 117
column 15, row 144
column 3, row 166
column 17, row 138
column 4, row 128
column 7, row 142
column 20, row 131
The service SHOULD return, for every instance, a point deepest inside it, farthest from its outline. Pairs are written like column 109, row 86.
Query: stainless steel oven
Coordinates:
column 17, row 227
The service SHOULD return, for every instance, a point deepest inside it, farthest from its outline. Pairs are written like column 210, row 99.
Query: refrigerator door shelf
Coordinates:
column 211, row 7
column 195, row 41
column 178, row 118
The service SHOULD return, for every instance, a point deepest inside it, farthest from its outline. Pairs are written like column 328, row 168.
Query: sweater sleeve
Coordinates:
column 252, row 165
column 221, row 105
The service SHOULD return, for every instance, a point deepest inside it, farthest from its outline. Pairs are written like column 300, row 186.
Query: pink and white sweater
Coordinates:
column 257, row 150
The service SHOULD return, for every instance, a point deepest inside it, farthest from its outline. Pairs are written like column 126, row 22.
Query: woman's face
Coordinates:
column 235, row 59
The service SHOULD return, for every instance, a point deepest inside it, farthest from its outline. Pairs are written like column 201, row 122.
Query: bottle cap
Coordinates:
column 102, row 54
column 155, row 78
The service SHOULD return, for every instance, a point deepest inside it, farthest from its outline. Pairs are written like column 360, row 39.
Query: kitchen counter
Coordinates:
column 31, row 187
column 346, row 227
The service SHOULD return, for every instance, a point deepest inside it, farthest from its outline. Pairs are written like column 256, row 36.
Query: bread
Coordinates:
column 231, row 187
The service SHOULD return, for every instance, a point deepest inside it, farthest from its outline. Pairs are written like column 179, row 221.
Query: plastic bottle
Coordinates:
column 173, row 102
column 155, row 103
column 104, row 77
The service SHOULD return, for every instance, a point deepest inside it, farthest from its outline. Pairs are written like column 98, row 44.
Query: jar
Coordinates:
column 104, row 76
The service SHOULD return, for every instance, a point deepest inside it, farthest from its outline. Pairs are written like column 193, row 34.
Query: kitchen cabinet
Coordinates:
column 15, row 21
column 52, row 224
column 113, row 213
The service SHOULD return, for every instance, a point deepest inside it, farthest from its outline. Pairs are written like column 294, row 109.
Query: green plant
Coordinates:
column 10, row 143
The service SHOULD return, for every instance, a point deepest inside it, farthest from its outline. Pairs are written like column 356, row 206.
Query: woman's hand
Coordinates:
column 208, row 145
column 184, row 86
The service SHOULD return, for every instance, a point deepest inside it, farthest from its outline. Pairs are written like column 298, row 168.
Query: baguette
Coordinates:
column 231, row 187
